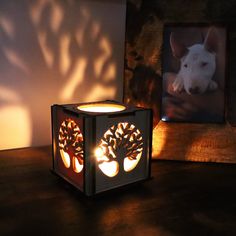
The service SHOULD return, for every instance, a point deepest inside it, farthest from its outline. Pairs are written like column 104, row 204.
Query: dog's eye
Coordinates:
column 203, row 64
column 185, row 65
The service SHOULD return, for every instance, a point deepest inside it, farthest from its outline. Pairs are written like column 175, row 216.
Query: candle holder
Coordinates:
column 101, row 146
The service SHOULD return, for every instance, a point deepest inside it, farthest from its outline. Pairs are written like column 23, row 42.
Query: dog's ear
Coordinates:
column 178, row 49
column 211, row 40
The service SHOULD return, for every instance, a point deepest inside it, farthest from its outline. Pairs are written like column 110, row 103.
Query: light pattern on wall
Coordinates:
column 15, row 122
column 51, row 52
column 71, row 145
column 120, row 136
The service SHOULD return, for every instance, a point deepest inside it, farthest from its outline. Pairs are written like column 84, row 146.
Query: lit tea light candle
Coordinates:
column 101, row 107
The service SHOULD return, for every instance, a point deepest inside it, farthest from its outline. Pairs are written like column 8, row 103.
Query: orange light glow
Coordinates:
column 70, row 54
column 15, row 123
column 101, row 92
column 130, row 164
column 46, row 51
column 65, row 158
column 15, row 59
column 77, row 167
column 122, row 135
column 57, row 15
column 99, row 152
column 159, row 136
column 106, row 50
column 101, row 107
column 65, row 60
column 71, row 145
column 7, row 26
column 75, row 79
column 110, row 169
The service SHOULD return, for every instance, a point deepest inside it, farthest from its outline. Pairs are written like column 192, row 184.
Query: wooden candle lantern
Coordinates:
column 101, row 146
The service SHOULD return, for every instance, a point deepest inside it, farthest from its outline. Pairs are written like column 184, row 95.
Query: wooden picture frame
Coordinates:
column 208, row 142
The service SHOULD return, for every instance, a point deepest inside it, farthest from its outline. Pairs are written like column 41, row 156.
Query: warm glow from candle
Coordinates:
column 101, row 107
column 110, row 169
column 120, row 135
column 131, row 164
column 98, row 152
column 65, row 158
column 71, row 141
column 77, row 166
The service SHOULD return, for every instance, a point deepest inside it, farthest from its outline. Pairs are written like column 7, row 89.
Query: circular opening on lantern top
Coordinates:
column 101, row 107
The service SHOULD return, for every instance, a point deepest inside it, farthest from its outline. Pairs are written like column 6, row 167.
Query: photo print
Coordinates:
column 193, row 69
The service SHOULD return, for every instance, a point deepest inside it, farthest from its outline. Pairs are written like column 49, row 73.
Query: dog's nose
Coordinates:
column 194, row 90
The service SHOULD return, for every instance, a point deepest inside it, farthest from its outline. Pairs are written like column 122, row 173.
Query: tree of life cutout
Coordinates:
column 123, row 136
column 71, row 145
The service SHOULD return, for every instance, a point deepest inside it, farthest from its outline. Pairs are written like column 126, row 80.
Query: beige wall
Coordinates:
column 56, row 52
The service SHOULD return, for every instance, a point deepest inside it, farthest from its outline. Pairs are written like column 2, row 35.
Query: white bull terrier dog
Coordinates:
column 198, row 65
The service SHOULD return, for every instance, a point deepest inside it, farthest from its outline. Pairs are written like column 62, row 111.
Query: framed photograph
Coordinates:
column 194, row 73
column 200, row 133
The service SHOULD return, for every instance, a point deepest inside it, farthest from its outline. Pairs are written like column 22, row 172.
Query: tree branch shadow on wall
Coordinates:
column 51, row 52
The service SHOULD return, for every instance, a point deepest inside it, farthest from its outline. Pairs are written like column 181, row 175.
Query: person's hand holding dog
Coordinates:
column 180, row 105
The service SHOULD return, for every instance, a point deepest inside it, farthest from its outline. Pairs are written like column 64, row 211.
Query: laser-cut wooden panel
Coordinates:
column 71, row 145
column 120, row 136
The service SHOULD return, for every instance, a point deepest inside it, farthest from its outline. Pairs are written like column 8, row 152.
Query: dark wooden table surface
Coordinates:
column 182, row 199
